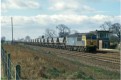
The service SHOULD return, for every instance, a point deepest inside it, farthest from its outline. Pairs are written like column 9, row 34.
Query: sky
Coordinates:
column 33, row 17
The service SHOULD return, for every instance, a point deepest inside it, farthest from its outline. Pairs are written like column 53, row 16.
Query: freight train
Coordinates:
column 77, row 42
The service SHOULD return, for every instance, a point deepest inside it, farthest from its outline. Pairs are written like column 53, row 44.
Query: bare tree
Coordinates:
column 116, row 29
column 50, row 33
column 63, row 30
column 106, row 25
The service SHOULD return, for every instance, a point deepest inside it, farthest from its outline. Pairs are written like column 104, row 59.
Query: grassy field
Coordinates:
column 47, row 63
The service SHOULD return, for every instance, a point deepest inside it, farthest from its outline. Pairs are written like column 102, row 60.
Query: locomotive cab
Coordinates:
column 91, row 42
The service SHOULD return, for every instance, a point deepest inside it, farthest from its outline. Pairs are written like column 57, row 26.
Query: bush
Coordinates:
column 113, row 46
column 82, row 75
column 53, row 72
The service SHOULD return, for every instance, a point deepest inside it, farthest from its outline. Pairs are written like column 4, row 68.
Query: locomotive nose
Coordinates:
column 91, row 43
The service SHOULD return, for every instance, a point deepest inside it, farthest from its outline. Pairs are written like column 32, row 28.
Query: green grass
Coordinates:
column 99, row 73
column 3, row 78
column 82, row 75
column 54, row 72
column 114, row 75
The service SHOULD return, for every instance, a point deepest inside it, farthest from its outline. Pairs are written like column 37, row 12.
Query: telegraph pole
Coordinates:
column 12, row 28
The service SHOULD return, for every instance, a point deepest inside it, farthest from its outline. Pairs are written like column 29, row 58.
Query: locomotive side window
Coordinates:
column 91, row 37
column 79, row 38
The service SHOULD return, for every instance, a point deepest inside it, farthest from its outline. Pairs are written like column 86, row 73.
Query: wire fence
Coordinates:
column 10, row 71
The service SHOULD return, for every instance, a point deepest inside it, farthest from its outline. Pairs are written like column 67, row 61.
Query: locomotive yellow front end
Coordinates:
column 91, row 42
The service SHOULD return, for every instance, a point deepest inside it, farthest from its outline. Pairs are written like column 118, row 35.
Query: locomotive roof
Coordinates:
column 78, row 34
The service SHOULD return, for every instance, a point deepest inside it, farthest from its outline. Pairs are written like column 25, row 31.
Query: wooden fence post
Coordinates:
column 17, row 72
column 5, row 61
column 9, row 67
column 2, row 54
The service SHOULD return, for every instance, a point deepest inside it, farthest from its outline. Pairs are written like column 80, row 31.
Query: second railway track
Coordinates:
column 90, row 55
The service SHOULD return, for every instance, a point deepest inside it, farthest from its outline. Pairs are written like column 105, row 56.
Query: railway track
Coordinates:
column 91, row 56
column 85, row 55
column 113, row 56
column 98, row 57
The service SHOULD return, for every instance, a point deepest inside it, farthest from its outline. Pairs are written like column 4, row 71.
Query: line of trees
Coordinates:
column 63, row 31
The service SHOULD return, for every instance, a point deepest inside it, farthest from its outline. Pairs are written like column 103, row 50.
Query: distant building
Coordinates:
column 102, row 38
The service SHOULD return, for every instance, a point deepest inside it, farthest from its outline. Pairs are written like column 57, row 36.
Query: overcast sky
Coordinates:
column 32, row 17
